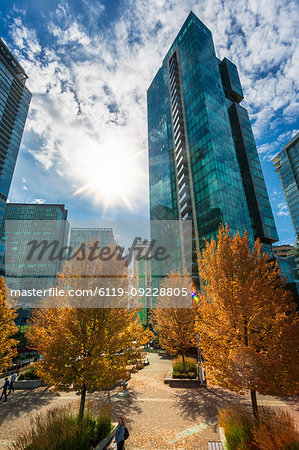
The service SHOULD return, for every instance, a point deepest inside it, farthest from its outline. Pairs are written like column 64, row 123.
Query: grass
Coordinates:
column 28, row 374
column 190, row 368
column 58, row 429
column 275, row 431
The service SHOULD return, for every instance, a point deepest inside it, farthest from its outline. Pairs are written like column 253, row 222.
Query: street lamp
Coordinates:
column 201, row 376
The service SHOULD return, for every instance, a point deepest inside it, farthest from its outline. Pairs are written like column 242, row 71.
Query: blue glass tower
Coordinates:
column 14, row 103
column 203, row 162
column 287, row 166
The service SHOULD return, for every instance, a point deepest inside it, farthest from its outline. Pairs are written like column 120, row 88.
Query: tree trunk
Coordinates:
column 254, row 405
column 184, row 366
column 82, row 404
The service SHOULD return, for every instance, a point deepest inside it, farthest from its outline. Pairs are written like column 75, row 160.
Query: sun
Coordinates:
column 109, row 173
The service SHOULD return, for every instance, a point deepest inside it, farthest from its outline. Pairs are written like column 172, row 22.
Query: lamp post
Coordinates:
column 200, row 369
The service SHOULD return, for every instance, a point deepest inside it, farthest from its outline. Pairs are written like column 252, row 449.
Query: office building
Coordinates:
column 14, row 103
column 82, row 235
column 282, row 250
column 287, row 166
column 142, row 278
column 203, row 162
column 23, row 223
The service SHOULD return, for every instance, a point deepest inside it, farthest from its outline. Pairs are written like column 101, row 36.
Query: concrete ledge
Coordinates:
column 222, row 437
column 27, row 384
column 102, row 444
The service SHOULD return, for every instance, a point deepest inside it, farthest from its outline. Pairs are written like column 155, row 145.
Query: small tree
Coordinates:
column 87, row 348
column 7, row 330
column 246, row 320
column 174, row 321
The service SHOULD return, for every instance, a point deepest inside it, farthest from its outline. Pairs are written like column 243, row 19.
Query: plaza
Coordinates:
column 157, row 416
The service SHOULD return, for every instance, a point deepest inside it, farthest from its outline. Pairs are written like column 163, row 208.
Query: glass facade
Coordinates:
column 23, row 221
column 82, row 235
column 203, row 163
column 14, row 103
column 287, row 165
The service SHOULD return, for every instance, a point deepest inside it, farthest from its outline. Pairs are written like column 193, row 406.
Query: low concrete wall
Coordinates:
column 27, row 384
column 222, row 437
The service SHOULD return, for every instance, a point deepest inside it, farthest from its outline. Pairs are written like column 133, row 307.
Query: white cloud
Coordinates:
column 39, row 201
column 282, row 210
column 90, row 86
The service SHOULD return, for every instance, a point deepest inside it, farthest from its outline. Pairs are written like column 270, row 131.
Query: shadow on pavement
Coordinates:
column 123, row 406
column 205, row 402
column 24, row 402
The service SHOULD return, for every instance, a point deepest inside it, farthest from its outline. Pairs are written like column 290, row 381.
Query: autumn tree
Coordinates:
column 84, row 346
column 8, row 345
column 246, row 320
column 174, row 316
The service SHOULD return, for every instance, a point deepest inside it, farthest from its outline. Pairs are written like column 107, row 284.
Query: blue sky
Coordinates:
column 89, row 64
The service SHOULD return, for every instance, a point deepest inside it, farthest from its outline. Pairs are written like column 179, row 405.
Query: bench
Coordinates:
column 215, row 445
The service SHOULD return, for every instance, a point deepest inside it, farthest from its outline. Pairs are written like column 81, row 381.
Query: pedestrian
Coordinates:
column 120, row 434
column 12, row 380
column 4, row 391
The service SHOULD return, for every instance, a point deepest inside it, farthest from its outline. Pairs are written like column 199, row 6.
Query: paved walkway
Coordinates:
column 161, row 417
column 157, row 416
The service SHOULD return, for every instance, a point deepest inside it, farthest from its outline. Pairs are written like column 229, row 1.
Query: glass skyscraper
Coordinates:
column 14, row 103
column 24, row 222
column 287, row 166
column 82, row 235
column 203, row 162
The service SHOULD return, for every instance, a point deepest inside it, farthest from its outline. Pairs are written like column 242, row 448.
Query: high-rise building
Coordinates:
column 142, row 278
column 23, row 223
column 14, row 103
column 82, row 235
column 203, row 161
column 283, row 250
column 287, row 166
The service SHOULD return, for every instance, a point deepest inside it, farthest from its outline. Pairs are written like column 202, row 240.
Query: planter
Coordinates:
column 27, row 384
column 181, row 382
column 102, row 444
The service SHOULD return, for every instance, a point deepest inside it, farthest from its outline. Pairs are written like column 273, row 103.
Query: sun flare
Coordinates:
column 109, row 173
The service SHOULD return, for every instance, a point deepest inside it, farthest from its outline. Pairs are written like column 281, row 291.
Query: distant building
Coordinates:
column 14, row 104
column 282, row 250
column 84, row 235
column 287, row 166
column 24, row 222
column 142, row 278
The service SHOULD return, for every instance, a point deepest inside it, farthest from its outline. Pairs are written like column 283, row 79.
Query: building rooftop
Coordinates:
column 292, row 141
column 14, row 65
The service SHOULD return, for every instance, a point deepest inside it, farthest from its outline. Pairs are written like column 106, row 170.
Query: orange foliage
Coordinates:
column 247, row 322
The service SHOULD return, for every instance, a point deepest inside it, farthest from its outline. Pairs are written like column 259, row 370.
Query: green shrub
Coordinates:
column 238, row 425
column 103, row 427
column 275, row 431
column 191, row 375
column 29, row 374
column 190, row 367
column 58, row 429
